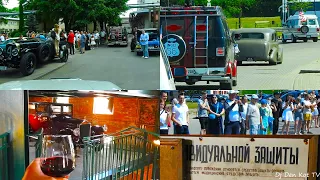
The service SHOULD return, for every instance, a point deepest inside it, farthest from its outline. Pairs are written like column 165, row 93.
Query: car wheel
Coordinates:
column 283, row 39
column 305, row 40
column 43, row 52
column 294, row 39
column 315, row 39
column 226, row 86
column 28, row 63
column 139, row 53
column 239, row 63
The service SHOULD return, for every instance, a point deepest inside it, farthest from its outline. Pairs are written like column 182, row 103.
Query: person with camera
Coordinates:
column 233, row 107
column 287, row 114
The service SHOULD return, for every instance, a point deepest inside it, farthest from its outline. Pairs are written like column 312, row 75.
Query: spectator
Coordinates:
column 253, row 118
column 203, row 108
column 71, row 37
column 180, row 116
column 298, row 116
column 215, row 117
column 144, row 38
column 287, row 115
column 243, row 114
column 276, row 114
column 164, row 119
column 233, row 108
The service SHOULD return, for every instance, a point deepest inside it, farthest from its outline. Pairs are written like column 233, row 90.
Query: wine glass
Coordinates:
column 57, row 156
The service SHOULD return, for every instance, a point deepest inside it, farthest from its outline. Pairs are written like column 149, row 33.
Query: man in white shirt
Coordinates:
column 2, row 39
column 180, row 116
column 253, row 118
column 97, row 38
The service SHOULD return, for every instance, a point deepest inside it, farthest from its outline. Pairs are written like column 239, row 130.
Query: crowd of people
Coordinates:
column 236, row 115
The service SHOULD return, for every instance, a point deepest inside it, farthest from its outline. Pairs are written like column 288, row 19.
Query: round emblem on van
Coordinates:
column 175, row 47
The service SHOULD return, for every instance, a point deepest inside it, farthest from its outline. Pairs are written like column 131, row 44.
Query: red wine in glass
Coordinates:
column 58, row 158
column 57, row 166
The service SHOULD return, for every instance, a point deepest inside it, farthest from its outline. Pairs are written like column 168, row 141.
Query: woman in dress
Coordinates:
column 164, row 119
column 265, row 114
column 93, row 42
column 287, row 114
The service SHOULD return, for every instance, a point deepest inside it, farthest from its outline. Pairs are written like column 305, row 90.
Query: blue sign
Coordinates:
column 175, row 47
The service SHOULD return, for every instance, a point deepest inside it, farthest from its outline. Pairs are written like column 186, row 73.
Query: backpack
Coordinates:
column 53, row 35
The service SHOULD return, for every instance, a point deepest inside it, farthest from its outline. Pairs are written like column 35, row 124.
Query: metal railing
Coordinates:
column 38, row 136
column 131, row 153
column 4, row 163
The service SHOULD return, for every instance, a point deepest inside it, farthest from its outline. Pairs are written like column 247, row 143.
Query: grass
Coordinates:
column 192, row 105
column 249, row 22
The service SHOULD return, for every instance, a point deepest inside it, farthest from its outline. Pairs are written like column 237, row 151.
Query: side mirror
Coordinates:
column 237, row 36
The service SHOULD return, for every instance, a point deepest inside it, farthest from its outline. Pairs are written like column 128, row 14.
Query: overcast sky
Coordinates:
column 15, row 3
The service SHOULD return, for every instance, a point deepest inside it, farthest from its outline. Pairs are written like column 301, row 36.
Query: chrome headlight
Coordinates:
column 1, row 51
column 76, row 131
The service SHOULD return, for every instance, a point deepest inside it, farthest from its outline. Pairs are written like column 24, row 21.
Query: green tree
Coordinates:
column 21, row 16
column 297, row 5
column 32, row 23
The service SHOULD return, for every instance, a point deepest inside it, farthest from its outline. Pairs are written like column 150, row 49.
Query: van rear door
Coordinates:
column 184, row 26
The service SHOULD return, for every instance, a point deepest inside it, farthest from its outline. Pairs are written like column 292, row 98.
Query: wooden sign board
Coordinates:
column 241, row 158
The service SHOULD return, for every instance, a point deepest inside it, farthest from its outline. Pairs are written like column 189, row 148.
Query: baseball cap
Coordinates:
column 254, row 96
column 264, row 101
column 233, row 92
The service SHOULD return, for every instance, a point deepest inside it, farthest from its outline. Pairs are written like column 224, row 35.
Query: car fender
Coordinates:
column 280, row 52
column 25, row 50
column 273, row 52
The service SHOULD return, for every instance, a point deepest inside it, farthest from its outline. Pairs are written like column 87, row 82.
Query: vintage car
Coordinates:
column 26, row 54
column 118, row 35
column 258, row 44
column 57, row 118
column 153, row 43
column 301, row 28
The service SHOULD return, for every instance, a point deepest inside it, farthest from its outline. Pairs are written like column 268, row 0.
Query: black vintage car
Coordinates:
column 57, row 118
column 26, row 54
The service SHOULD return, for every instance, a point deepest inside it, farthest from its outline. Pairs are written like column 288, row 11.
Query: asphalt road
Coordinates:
column 194, row 126
column 297, row 56
column 115, row 64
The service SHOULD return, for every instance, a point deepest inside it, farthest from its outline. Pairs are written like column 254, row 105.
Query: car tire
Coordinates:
column 226, row 86
column 43, row 53
column 239, row 63
column 139, row 53
column 283, row 39
column 305, row 40
column 28, row 63
column 294, row 39
column 315, row 39
column 273, row 62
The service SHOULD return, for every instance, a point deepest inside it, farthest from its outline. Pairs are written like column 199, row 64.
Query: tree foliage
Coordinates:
column 32, row 23
column 78, row 13
column 297, row 5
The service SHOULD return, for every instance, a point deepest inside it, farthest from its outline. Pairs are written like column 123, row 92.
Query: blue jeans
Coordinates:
column 181, row 129
column 232, row 128
column 145, row 50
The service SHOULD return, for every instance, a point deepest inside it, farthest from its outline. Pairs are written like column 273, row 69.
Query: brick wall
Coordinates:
column 127, row 112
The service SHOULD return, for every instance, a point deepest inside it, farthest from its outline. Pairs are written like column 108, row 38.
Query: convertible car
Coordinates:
column 258, row 44
column 26, row 54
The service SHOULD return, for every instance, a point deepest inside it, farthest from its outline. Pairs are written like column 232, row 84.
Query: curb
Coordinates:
column 48, row 72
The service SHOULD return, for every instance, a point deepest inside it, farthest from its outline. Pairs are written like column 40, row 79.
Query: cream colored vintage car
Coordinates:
column 258, row 44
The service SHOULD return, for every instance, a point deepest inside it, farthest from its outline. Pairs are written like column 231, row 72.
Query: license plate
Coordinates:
column 249, row 59
column 308, row 36
column 2, row 68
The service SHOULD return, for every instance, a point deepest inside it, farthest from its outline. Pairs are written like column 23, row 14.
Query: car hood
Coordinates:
column 61, row 84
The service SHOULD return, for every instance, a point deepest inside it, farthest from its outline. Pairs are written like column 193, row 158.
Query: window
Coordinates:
column 312, row 22
column 102, row 105
column 64, row 100
column 252, row 36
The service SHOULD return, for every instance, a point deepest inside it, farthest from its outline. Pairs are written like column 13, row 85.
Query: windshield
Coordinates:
column 252, row 36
